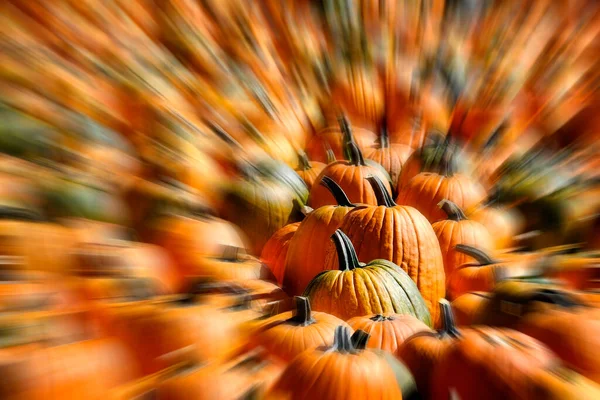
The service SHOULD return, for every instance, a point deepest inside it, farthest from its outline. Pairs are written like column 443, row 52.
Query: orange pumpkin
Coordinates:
column 403, row 236
column 457, row 229
column 467, row 307
column 387, row 332
column 275, row 251
column 350, row 175
column 232, row 265
column 356, row 289
column 427, row 189
column 485, row 273
column 333, row 138
column 309, row 170
column 391, row 156
column 314, row 232
column 502, row 223
column 286, row 335
column 325, row 371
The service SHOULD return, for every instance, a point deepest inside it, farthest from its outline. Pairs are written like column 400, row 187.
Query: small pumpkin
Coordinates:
column 469, row 306
column 457, row 229
column 314, row 232
column 286, row 335
column 390, row 156
column 232, row 265
column 275, row 251
column 309, row 170
column 351, row 290
column 325, row 371
column 350, row 176
column 403, row 236
column 502, row 223
column 387, row 332
column 427, row 189
column 486, row 272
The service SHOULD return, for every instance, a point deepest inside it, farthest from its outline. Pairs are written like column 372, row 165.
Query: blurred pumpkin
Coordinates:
column 309, row 170
column 275, row 251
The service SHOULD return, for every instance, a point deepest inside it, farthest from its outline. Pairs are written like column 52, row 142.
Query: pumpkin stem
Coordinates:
column 347, row 258
column 230, row 253
column 302, row 315
column 342, row 341
column 21, row 214
column 351, row 149
column 359, row 339
column 330, row 154
column 338, row 193
column 384, row 138
column 381, row 193
column 304, row 162
column 481, row 256
column 448, row 324
column 380, row 318
column 452, row 210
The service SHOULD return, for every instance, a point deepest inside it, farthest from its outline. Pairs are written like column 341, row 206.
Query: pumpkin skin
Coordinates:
column 324, row 373
column 503, row 361
column 349, row 175
column 314, row 232
column 457, row 229
column 427, row 189
column 276, row 249
column 403, row 236
column 288, row 334
column 572, row 333
column 309, row 170
column 387, row 332
column 485, row 273
column 345, row 293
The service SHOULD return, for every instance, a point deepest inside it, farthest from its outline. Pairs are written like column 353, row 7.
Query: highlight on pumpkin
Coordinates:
column 299, row 199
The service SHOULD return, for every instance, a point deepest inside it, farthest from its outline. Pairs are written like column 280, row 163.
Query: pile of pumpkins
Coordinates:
column 220, row 200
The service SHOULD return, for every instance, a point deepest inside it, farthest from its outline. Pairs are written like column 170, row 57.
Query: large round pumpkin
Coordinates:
column 357, row 289
column 326, row 372
column 457, row 229
column 403, row 236
column 314, row 233
column 288, row 334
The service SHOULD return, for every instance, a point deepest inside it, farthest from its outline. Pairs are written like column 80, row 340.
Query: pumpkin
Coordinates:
column 457, row 229
column 350, row 175
column 502, row 223
column 468, row 307
column 288, row 334
column 356, row 289
column 232, row 265
column 387, row 332
column 427, row 189
column 188, row 239
column 275, row 251
column 403, row 236
column 326, row 371
column 423, row 351
column 309, row 170
column 259, row 207
column 571, row 332
column 502, row 360
column 486, row 272
column 20, row 228
column 390, row 156
column 314, row 232
column 559, row 384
